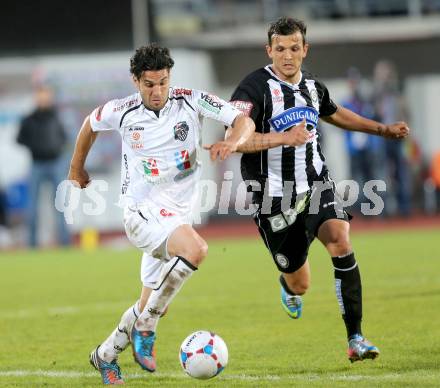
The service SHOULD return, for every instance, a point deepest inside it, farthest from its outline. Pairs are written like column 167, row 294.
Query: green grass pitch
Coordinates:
column 57, row 305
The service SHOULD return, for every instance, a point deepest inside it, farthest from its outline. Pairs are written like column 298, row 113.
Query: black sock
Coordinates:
column 285, row 286
column 349, row 292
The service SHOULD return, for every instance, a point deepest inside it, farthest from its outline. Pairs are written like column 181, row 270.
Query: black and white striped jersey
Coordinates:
column 275, row 105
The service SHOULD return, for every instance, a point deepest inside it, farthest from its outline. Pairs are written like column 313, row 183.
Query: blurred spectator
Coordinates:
column 366, row 151
column 43, row 134
column 2, row 209
column 390, row 107
column 4, row 234
column 432, row 185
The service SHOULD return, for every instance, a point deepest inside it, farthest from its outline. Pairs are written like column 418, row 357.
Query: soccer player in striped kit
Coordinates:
column 291, row 184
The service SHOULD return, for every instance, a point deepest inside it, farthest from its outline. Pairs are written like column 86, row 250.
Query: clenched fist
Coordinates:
column 296, row 135
column 79, row 177
column 398, row 130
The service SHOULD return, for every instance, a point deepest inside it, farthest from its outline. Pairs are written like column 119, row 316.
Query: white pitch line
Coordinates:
column 242, row 377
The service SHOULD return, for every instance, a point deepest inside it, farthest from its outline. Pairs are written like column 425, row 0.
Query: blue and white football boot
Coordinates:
column 142, row 343
column 360, row 349
column 110, row 371
column 292, row 304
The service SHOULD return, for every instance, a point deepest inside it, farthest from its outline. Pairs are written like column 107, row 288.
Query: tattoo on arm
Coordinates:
column 257, row 143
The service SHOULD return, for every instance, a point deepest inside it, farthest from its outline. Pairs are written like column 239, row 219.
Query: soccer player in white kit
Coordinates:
column 160, row 128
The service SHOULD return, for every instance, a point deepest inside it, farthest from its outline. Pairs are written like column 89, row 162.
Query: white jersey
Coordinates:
column 160, row 153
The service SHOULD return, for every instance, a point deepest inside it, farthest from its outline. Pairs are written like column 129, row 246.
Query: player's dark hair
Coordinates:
column 151, row 57
column 286, row 26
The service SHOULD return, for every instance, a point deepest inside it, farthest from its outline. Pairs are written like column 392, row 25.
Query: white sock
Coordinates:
column 119, row 338
column 174, row 273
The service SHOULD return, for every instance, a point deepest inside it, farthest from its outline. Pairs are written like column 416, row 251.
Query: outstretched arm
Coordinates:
column 84, row 141
column 346, row 119
column 236, row 135
column 293, row 137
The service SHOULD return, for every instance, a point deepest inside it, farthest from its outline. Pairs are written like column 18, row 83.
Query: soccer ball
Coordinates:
column 203, row 354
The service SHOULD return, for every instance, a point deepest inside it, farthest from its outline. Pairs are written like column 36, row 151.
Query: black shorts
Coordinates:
column 289, row 244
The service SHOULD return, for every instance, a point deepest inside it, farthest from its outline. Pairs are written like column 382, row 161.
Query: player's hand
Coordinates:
column 222, row 149
column 79, row 177
column 297, row 135
column 398, row 130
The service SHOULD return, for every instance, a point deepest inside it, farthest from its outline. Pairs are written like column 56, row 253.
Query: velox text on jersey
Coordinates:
column 211, row 103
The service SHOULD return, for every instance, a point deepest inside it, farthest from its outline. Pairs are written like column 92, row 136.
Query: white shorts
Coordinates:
column 148, row 228
column 151, row 270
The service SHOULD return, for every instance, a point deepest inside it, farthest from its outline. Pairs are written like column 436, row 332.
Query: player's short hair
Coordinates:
column 151, row 57
column 286, row 26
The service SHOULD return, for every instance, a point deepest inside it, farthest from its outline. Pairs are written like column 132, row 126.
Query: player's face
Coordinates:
column 287, row 53
column 153, row 86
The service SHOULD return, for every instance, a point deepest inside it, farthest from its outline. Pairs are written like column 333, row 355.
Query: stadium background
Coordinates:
column 57, row 303
column 83, row 52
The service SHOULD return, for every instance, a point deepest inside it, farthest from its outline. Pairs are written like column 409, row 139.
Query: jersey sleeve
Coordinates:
column 213, row 107
column 106, row 117
column 248, row 99
column 327, row 106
